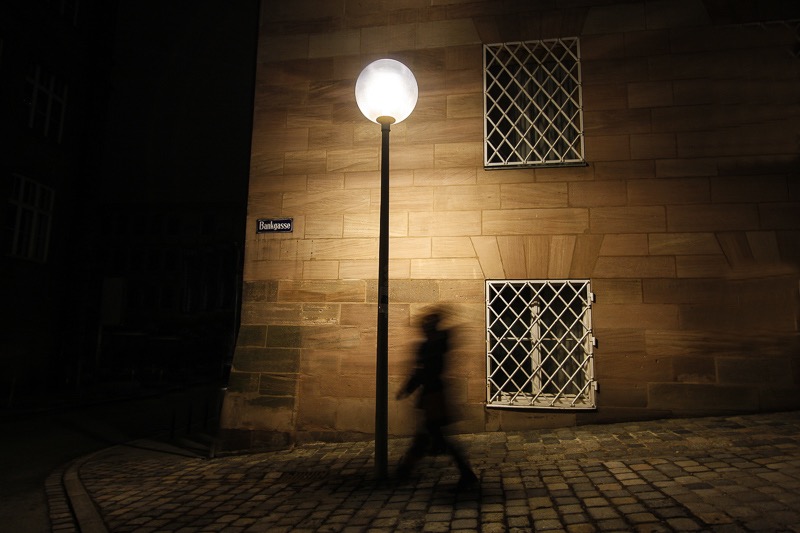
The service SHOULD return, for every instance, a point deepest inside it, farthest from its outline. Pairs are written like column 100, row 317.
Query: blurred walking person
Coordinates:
column 427, row 376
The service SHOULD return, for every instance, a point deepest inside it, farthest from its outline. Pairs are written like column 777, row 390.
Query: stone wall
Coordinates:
column 686, row 218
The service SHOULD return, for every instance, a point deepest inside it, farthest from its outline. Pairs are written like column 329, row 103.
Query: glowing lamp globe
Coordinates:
column 386, row 91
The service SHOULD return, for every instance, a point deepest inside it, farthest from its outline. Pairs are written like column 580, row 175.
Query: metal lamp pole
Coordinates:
column 386, row 93
column 382, row 361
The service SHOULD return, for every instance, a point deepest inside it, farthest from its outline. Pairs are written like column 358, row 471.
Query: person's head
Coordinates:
column 430, row 323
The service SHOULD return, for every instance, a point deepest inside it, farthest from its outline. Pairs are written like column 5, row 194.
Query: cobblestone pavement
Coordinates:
column 739, row 473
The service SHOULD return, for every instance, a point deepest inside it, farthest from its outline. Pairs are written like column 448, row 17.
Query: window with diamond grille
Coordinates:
column 539, row 344
column 532, row 104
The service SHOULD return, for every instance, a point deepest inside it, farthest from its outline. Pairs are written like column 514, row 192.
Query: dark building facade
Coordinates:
column 124, row 150
column 54, row 85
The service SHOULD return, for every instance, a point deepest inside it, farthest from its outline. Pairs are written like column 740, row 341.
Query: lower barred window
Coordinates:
column 539, row 344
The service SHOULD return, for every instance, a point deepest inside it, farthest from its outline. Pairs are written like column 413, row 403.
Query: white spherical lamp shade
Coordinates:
column 386, row 91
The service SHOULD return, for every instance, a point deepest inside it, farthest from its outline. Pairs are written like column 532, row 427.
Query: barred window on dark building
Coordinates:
column 533, row 104
column 46, row 98
column 29, row 219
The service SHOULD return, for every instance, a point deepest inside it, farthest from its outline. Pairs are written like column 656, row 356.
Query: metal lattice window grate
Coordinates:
column 539, row 344
column 532, row 104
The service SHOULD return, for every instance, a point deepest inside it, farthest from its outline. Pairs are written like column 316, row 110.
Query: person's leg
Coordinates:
column 416, row 452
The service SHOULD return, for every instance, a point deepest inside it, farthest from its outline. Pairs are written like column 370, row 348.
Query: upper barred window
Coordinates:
column 46, row 98
column 532, row 104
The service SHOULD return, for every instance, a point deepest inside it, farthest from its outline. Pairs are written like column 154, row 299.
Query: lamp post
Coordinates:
column 386, row 93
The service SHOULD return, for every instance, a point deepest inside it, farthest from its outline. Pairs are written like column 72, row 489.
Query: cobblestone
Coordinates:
column 718, row 474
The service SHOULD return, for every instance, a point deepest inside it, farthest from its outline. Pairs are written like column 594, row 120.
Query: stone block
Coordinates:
column 702, row 266
column 352, row 159
column 643, row 219
column 694, row 369
column 635, row 267
column 685, row 291
column 356, row 414
column 444, row 33
column 448, row 268
column 537, row 255
column 668, row 191
column 305, row 162
column 564, row 174
column 316, row 413
column 702, row 398
column 532, row 195
column 764, row 246
column 338, row 249
column 619, row 18
column 680, row 168
column 712, row 217
column 243, row 382
column 464, row 154
column 620, row 341
column 535, row 221
column 625, row 244
column 347, row 386
column 411, row 157
column 260, row 291
column 617, row 122
column 331, row 137
column 284, row 336
column 321, row 291
column 368, row 224
column 260, row 313
column 452, row 247
column 488, row 253
column 584, row 258
column 414, row 291
column 636, row 316
column 782, row 215
column 329, row 202
column 458, row 291
column 617, row 291
column 624, row 170
column 330, row 337
column 451, row 223
column 466, row 198
column 749, row 189
column 736, row 248
column 275, row 360
column 683, row 244
column 252, row 336
column 650, row 94
column 278, row 385
column 445, row 177
column 605, row 193
column 653, row 146
column 601, row 148
column 443, row 131
column 320, row 270
column 632, row 366
column 323, row 225
column 605, row 96
column 664, row 14
column 560, row 261
column 313, row 313
column 621, row 394
column 761, row 370
column 465, row 106
column 512, row 255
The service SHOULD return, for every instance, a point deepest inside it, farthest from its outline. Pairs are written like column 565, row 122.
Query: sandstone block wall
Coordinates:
column 686, row 217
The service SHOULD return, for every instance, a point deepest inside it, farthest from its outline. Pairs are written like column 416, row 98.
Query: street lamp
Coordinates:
column 386, row 93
